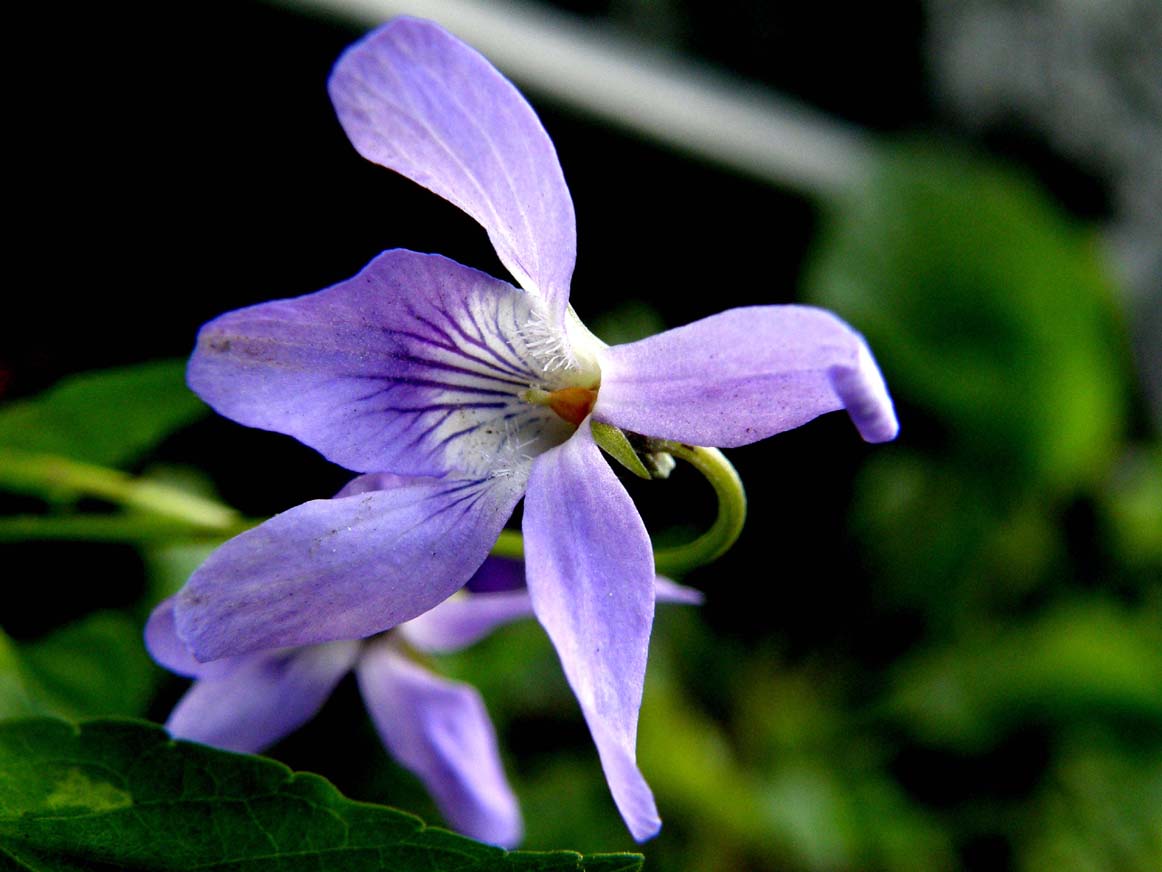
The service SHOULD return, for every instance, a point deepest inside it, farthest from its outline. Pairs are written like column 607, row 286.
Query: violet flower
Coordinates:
column 423, row 367
column 436, row 728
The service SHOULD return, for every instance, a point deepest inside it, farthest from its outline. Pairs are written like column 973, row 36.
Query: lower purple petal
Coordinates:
column 250, row 702
column 743, row 375
column 439, row 730
column 343, row 568
column 590, row 574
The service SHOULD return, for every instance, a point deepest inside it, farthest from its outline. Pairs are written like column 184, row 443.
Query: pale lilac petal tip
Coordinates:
column 743, row 375
column 440, row 731
column 865, row 396
column 416, row 100
column 248, row 703
column 590, row 574
column 668, row 591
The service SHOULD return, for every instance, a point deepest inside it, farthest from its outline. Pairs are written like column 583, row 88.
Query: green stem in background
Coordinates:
column 136, row 528
column 712, row 544
column 30, row 472
column 511, row 544
column 164, row 512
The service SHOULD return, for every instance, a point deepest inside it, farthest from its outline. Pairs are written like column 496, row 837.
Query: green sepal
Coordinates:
column 616, row 444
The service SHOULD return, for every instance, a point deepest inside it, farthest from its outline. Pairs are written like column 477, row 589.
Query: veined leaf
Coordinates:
column 123, row 795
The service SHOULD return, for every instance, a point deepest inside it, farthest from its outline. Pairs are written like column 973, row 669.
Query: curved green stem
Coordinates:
column 727, row 526
column 712, row 544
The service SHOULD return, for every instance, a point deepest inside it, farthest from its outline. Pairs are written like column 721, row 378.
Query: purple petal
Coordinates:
column 164, row 645
column 667, row 591
column 248, row 703
column 469, row 616
column 743, row 375
column 440, row 731
column 413, row 366
column 343, row 568
column 465, row 618
column 497, row 574
column 374, row 481
column 415, row 99
column 590, row 573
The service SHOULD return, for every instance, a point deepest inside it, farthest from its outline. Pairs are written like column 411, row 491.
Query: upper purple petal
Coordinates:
column 590, row 572
column 413, row 366
column 343, row 568
column 415, row 99
column 743, row 375
column 440, row 730
column 248, row 703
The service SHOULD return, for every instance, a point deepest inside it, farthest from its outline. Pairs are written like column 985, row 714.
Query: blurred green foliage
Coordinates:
column 106, row 418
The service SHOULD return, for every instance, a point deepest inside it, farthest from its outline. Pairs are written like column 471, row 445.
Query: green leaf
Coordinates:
column 97, row 666
column 987, row 307
column 123, row 795
column 108, row 417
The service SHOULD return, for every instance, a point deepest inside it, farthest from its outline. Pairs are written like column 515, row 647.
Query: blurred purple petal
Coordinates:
column 248, row 703
column 667, row 591
column 498, row 574
column 465, row 618
column 743, row 375
column 163, row 644
column 415, row 99
column 375, row 481
column 590, row 572
column 343, row 568
column 413, row 366
column 469, row 616
column 440, row 730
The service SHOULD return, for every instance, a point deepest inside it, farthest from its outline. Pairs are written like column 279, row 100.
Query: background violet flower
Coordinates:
column 483, row 393
column 436, row 728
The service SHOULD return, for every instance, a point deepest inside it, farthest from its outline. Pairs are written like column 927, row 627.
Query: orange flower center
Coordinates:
column 573, row 404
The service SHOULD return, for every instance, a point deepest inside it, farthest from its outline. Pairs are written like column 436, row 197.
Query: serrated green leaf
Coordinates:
column 108, row 417
column 123, row 795
column 987, row 307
